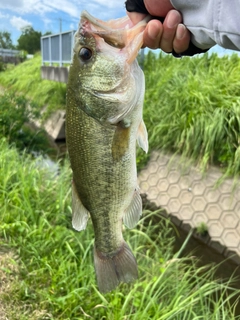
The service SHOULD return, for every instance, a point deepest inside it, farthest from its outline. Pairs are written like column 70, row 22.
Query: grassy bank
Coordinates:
column 25, row 78
column 192, row 105
column 55, row 277
column 16, row 113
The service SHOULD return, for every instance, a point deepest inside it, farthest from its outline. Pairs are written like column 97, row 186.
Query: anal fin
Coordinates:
column 134, row 211
column 79, row 213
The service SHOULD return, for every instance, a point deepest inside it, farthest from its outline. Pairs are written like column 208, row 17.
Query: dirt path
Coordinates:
column 2, row 89
column 8, row 270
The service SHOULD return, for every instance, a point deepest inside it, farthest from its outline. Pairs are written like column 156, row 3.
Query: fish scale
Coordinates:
column 103, row 121
column 94, row 169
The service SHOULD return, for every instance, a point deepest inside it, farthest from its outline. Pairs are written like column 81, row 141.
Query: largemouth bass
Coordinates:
column 104, row 120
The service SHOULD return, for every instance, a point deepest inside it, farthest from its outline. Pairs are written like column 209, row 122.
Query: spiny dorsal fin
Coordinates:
column 134, row 210
column 79, row 213
column 142, row 136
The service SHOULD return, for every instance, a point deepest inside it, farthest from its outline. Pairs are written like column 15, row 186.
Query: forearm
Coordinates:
column 211, row 22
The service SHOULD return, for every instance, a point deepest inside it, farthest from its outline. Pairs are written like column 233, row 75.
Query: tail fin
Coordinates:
column 111, row 270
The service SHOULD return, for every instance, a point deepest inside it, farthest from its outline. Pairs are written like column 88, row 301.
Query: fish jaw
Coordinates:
column 119, row 33
column 110, row 83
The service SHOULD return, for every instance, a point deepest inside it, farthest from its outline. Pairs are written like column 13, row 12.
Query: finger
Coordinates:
column 172, row 20
column 158, row 8
column 182, row 39
column 135, row 17
column 152, row 34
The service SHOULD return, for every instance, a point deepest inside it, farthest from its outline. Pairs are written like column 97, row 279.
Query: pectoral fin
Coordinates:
column 120, row 143
column 134, row 211
column 79, row 213
column 142, row 136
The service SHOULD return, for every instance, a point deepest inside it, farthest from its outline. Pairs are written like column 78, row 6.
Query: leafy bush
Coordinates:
column 15, row 114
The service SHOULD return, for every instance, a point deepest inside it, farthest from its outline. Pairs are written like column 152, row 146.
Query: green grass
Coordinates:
column 26, row 79
column 192, row 107
column 56, row 278
column 15, row 115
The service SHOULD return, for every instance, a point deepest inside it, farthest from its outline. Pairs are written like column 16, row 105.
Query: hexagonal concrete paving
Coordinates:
column 191, row 198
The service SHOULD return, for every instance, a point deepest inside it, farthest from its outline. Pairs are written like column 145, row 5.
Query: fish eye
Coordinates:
column 85, row 54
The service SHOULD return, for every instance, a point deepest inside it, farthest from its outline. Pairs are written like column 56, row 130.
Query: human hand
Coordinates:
column 169, row 35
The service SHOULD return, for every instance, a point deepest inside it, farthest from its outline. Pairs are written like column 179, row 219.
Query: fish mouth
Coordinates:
column 118, row 33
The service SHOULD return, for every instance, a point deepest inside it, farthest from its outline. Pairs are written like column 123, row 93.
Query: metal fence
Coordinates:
column 57, row 48
column 9, row 52
column 10, row 56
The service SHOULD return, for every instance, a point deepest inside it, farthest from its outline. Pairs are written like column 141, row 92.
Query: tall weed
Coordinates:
column 191, row 104
column 16, row 112
column 26, row 79
column 56, row 278
column 192, row 107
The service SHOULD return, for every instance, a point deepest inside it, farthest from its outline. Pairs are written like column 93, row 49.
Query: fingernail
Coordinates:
column 174, row 19
column 181, row 31
column 152, row 32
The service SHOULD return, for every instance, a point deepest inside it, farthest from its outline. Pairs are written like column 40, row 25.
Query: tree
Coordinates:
column 29, row 40
column 47, row 33
column 5, row 40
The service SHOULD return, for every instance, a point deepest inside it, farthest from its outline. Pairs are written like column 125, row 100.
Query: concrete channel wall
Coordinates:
column 192, row 199
column 59, row 74
column 54, row 125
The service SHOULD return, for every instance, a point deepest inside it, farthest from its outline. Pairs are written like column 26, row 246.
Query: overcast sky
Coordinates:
column 48, row 15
